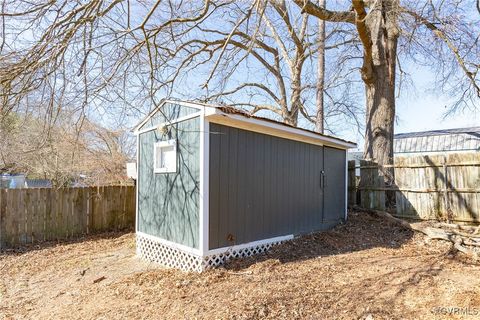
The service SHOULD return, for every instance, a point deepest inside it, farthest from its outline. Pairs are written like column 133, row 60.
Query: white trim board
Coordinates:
column 173, row 121
column 204, row 185
column 137, row 156
column 162, row 103
column 215, row 115
column 346, row 188
column 249, row 244
column 274, row 129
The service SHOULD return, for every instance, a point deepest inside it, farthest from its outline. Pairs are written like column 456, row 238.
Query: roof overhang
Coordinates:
column 272, row 128
column 216, row 115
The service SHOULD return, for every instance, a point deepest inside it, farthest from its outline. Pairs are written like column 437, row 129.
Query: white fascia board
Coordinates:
column 162, row 103
column 248, row 245
column 177, row 120
column 274, row 129
column 138, row 126
column 186, row 104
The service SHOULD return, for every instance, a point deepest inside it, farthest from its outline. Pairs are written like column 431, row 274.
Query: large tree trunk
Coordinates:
column 378, row 73
column 319, row 119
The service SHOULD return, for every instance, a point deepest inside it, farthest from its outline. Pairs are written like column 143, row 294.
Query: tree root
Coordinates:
column 463, row 238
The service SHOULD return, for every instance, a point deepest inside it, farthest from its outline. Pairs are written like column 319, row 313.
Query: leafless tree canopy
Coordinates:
column 65, row 152
column 114, row 59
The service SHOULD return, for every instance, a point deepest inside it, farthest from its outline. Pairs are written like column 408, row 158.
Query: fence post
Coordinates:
column 445, row 191
column 372, row 186
column 3, row 205
column 352, row 183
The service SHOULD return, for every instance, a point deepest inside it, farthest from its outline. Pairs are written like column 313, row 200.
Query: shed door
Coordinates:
column 334, row 188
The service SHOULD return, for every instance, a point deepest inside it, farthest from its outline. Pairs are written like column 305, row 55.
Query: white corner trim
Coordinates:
column 136, row 182
column 204, row 184
column 249, row 244
column 171, row 244
column 275, row 129
column 346, row 187
column 204, row 175
column 177, row 120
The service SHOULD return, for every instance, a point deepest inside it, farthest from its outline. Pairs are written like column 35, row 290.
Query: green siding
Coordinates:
column 168, row 112
column 263, row 187
column 168, row 203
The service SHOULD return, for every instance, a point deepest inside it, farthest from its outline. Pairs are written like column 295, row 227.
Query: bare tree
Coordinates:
column 319, row 119
column 64, row 152
column 122, row 56
column 379, row 25
column 159, row 48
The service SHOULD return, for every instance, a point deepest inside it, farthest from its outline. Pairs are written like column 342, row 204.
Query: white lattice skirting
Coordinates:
column 153, row 250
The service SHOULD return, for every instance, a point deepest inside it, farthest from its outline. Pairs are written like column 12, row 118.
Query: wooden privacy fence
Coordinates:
column 43, row 214
column 442, row 187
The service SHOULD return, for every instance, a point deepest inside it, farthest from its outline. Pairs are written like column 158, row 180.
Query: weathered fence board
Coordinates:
column 442, row 187
column 44, row 214
column 352, row 183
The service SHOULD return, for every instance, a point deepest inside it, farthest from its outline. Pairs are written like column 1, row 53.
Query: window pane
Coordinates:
column 168, row 157
column 165, row 156
column 158, row 157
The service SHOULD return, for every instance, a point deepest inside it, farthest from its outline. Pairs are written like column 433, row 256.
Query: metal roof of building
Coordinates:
column 39, row 183
column 459, row 139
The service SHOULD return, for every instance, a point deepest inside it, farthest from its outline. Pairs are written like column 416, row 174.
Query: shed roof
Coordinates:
column 232, row 116
column 231, row 110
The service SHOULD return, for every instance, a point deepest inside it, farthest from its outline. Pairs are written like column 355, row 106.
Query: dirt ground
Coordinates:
column 364, row 269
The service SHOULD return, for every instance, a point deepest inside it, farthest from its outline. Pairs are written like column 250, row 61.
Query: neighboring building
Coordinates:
column 39, row 183
column 18, row 181
column 430, row 142
column 215, row 183
column 438, row 141
column 12, row 181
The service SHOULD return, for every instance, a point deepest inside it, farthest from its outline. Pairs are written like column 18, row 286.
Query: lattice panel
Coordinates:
column 155, row 251
column 170, row 257
column 219, row 259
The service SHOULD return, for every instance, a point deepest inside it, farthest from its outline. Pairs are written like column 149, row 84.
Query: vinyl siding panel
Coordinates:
column 263, row 186
column 168, row 203
column 334, row 200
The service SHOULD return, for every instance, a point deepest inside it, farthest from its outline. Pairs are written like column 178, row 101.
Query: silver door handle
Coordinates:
column 322, row 179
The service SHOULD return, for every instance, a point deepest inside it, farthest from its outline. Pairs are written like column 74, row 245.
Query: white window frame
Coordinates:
column 162, row 144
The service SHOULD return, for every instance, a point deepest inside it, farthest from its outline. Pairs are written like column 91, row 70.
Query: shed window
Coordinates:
column 165, row 156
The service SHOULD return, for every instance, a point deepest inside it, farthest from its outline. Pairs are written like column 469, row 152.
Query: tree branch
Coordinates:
column 441, row 35
column 324, row 14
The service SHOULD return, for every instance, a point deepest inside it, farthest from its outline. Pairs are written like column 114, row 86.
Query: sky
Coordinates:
column 425, row 110
column 421, row 108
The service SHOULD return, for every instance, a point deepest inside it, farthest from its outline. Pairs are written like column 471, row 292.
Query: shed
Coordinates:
column 216, row 183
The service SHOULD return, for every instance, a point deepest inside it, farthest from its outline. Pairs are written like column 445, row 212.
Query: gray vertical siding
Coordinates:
column 168, row 203
column 263, row 186
column 334, row 204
